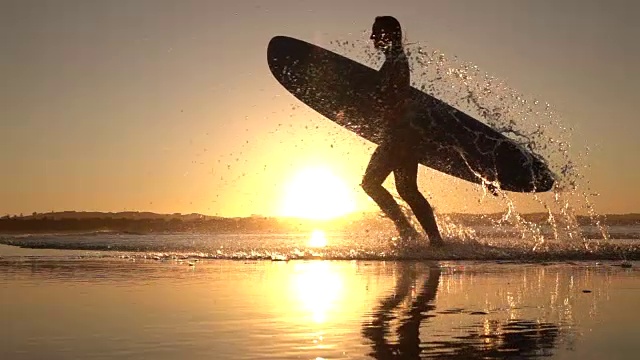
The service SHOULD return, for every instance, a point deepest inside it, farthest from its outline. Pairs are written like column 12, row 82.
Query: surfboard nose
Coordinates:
column 281, row 54
column 274, row 47
column 284, row 60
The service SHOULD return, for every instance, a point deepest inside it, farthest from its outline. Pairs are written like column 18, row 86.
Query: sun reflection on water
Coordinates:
column 317, row 286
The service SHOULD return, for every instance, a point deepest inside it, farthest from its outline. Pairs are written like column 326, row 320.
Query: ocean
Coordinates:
column 316, row 296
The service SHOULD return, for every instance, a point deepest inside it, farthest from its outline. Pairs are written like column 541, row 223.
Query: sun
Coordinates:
column 317, row 193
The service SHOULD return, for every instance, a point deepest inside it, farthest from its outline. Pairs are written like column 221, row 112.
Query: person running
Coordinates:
column 396, row 151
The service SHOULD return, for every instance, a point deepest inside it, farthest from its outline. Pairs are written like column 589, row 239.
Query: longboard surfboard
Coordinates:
column 453, row 142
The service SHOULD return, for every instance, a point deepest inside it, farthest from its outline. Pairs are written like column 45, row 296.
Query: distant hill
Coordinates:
column 140, row 215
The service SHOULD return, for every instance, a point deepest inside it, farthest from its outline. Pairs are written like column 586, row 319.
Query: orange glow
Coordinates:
column 316, row 193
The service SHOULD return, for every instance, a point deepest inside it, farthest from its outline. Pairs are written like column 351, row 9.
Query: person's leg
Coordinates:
column 380, row 166
column 407, row 184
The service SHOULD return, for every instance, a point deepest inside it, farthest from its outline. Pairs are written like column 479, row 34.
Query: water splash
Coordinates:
column 284, row 247
column 530, row 122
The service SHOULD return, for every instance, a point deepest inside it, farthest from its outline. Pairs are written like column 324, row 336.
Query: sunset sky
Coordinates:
column 169, row 106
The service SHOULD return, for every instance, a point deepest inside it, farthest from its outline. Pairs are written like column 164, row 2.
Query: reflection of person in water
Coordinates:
column 408, row 346
column 396, row 152
column 521, row 339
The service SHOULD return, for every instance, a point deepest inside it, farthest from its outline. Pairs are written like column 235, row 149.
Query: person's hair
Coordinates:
column 391, row 26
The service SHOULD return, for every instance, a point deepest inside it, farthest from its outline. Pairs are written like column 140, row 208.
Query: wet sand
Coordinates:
column 56, row 305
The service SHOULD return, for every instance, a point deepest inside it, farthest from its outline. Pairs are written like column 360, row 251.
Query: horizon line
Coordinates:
column 23, row 215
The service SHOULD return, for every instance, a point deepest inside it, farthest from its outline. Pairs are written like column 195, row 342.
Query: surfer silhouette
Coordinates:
column 396, row 152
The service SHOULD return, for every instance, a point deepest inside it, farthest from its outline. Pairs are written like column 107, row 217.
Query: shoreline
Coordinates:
column 489, row 254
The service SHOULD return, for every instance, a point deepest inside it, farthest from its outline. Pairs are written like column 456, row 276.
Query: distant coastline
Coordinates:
column 147, row 222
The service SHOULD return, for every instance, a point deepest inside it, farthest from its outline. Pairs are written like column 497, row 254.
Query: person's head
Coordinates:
column 386, row 32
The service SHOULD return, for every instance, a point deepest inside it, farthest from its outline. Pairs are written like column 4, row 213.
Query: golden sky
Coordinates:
column 169, row 106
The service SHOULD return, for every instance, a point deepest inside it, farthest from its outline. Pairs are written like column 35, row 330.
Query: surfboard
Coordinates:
column 452, row 142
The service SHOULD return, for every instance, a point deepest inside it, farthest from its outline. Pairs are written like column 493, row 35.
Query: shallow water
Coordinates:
column 316, row 244
column 60, row 304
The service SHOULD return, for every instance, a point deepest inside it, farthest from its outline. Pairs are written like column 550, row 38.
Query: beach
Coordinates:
column 315, row 180
column 63, row 304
